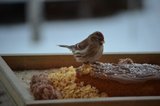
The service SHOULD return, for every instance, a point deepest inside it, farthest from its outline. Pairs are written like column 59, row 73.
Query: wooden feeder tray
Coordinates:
column 119, row 95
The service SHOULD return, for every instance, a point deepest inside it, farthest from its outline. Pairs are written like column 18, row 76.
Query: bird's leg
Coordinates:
column 97, row 63
column 84, row 69
column 86, row 64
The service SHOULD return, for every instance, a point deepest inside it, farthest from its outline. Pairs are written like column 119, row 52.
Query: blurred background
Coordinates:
column 38, row 26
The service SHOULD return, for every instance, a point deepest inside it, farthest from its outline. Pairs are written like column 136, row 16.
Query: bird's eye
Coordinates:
column 98, row 39
column 97, row 33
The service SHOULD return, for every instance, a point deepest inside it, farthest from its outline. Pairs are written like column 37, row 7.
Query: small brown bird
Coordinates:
column 89, row 50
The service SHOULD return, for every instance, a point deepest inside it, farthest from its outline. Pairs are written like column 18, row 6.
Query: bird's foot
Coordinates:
column 97, row 63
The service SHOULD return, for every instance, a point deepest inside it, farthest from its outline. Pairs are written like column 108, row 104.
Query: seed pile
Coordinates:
column 64, row 81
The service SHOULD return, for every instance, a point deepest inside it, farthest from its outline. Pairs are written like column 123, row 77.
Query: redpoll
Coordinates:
column 89, row 50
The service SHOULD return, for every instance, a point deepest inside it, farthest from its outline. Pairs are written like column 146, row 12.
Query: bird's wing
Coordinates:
column 92, row 50
column 80, row 48
column 82, row 45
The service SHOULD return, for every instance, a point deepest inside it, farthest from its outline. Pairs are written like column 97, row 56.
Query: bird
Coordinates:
column 88, row 50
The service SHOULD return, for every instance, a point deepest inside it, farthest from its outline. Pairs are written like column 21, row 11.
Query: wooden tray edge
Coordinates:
column 12, row 85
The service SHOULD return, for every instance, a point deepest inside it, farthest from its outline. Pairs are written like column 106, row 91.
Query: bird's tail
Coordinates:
column 66, row 46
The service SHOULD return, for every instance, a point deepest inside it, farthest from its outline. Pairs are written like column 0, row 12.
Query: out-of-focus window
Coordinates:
column 128, row 25
column 14, row 11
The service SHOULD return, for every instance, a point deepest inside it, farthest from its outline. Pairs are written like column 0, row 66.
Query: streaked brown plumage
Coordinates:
column 89, row 50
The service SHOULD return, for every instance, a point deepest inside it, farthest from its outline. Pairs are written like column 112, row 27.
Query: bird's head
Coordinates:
column 97, row 37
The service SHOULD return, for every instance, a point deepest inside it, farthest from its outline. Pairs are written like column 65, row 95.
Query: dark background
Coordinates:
column 13, row 12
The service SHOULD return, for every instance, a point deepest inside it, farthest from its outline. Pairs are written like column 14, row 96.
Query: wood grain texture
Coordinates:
column 56, row 61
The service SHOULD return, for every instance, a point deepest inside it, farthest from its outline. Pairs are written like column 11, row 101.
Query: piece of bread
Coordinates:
column 123, row 79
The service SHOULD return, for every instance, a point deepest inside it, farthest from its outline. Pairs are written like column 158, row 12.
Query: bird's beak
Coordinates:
column 102, row 42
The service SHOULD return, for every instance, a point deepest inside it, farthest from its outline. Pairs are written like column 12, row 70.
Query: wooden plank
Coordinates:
column 13, row 86
column 111, row 101
column 56, row 61
column 39, row 62
column 5, row 99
